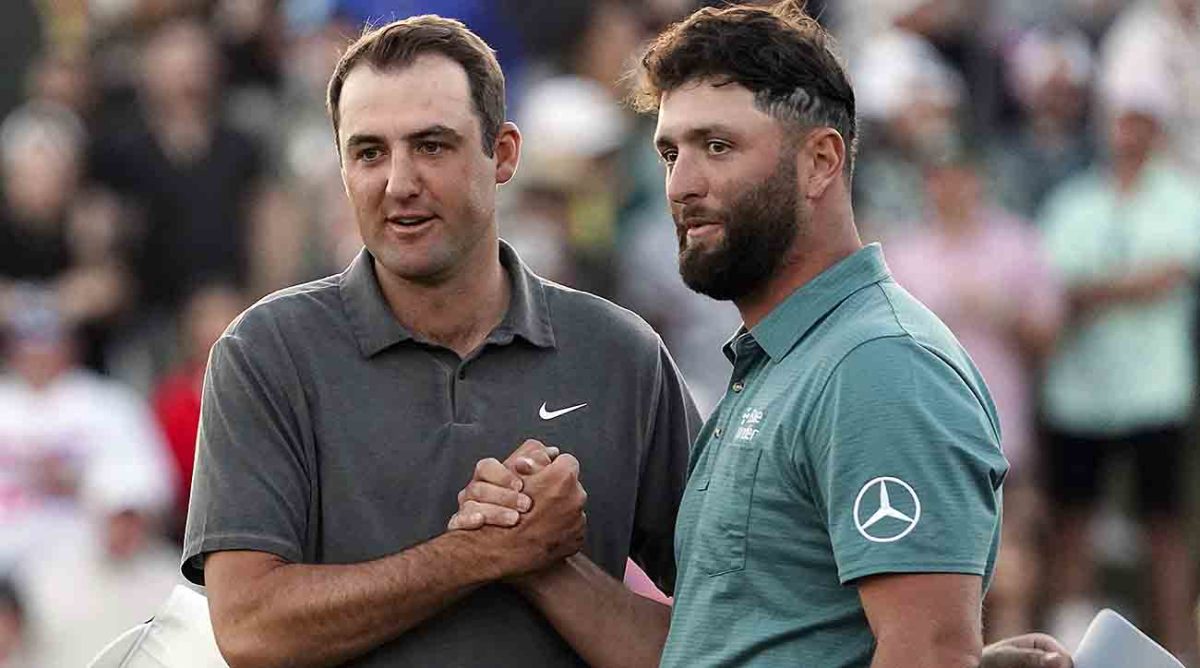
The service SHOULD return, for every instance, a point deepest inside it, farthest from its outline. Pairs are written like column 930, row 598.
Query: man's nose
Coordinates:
column 686, row 181
column 403, row 180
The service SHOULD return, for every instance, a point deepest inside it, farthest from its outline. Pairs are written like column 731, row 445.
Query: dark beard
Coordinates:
column 760, row 227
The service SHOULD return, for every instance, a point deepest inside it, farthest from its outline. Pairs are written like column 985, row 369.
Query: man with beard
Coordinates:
column 843, row 501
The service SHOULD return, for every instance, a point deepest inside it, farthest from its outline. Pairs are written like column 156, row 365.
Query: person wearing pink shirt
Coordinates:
column 983, row 271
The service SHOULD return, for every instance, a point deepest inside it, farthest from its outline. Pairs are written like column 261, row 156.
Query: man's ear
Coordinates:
column 507, row 150
column 825, row 152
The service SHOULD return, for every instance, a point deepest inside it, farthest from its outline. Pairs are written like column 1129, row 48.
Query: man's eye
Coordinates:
column 717, row 147
column 430, row 148
column 669, row 157
column 369, row 154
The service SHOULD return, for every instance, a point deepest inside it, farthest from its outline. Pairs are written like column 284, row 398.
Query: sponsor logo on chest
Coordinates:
column 748, row 428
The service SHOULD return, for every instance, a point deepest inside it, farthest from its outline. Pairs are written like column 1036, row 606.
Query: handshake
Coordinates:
column 529, row 508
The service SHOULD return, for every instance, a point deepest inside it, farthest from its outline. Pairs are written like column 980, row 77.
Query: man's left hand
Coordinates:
column 1034, row 650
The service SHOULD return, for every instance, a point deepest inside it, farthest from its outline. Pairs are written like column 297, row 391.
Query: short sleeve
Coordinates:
column 675, row 423
column 907, row 465
column 251, row 485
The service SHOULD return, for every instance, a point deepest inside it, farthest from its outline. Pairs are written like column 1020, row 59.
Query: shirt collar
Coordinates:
column 376, row 327
column 788, row 322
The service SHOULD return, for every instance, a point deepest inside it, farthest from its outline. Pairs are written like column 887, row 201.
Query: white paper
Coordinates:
column 1112, row 642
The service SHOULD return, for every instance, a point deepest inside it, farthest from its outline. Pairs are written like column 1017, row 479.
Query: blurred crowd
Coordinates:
column 1030, row 166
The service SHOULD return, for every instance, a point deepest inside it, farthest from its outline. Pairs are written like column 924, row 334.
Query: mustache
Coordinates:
column 695, row 213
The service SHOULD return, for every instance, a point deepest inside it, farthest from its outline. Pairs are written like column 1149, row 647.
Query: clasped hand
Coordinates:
column 532, row 502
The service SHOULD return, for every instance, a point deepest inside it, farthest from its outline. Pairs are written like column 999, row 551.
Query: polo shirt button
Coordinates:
column 717, row 432
column 739, row 386
column 462, row 373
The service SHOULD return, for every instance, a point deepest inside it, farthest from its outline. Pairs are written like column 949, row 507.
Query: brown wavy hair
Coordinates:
column 780, row 53
column 400, row 43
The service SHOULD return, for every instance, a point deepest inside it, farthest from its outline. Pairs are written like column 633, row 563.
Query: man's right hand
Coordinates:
column 494, row 496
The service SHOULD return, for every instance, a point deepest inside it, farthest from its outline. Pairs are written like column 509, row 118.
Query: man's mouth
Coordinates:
column 409, row 221
column 696, row 228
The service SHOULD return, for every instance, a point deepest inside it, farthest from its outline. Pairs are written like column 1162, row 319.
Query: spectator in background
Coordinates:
column 177, row 398
column 195, row 178
column 105, row 576
column 12, row 628
column 251, row 39
column 910, row 100
column 61, row 78
column 1126, row 239
column 55, row 232
column 324, row 237
column 567, row 201
column 985, row 273
column 59, row 427
column 1161, row 37
column 40, row 151
column 1049, row 73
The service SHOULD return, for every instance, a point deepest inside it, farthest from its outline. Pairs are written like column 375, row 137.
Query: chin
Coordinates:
column 417, row 267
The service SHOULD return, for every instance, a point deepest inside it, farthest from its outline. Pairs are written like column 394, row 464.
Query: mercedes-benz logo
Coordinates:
column 874, row 528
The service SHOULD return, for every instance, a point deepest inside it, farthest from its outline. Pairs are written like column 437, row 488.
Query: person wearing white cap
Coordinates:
column 1160, row 40
column 1049, row 73
column 1125, row 237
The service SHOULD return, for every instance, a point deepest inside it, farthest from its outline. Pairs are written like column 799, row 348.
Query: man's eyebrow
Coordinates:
column 434, row 132
column 439, row 131
column 695, row 134
column 362, row 138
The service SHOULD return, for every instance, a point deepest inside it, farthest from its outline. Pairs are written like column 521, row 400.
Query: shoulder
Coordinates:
column 891, row 337
column 1064, row 197
column 292, row 323
column 291, row 309
column 1170, row 183
column 581, row 316
column 905, row 380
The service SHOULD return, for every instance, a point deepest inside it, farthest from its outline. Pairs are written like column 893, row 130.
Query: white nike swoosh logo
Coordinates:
column 550, row 415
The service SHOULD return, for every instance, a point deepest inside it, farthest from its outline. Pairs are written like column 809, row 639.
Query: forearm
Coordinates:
column 323, row 615
column 1037, row 336
column 1083, row 299
column 604, row 622
column 908, row 652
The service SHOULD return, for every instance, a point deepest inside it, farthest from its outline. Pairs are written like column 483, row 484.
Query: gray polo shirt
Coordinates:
column 330, row 434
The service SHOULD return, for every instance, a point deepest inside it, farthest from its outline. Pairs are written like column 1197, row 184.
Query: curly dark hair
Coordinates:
column 780, row 53
column 399, row 43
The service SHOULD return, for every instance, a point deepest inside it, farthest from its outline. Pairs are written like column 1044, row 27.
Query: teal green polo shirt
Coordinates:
column 856, row 438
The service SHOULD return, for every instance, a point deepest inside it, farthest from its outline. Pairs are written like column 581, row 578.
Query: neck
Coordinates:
column 958, row 223
column 457, row 312
column 183, row 132
column 1127, row 170
column 827, row 244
